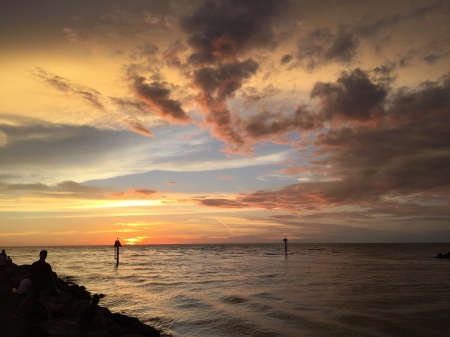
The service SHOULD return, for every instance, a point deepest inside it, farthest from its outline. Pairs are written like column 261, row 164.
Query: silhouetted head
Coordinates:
column 3, row 252
column 95, row 299
column 43, row 254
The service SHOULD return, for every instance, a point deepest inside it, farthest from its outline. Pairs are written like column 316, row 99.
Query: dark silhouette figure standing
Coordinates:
column 3, row 262
column 40, row 272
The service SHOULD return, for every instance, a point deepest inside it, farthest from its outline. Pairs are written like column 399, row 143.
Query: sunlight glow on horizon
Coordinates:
column 127, row 203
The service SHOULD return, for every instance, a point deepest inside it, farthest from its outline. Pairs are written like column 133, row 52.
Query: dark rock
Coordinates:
column 143, row 329
column 39, row 331
column 443, row 256
column 124, row 320
column 116, row 330
column 35, row 312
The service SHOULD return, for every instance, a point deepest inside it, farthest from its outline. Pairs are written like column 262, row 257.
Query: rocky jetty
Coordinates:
column 68, row 301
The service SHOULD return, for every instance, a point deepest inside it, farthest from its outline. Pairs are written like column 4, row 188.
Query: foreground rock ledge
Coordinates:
column 67, row 305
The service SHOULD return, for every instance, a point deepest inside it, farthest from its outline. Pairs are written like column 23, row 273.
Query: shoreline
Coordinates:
column 67, row 305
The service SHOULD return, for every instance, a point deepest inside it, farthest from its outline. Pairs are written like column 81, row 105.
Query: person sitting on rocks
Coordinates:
column 23, row 286
column 91, row 316
column 9, row 262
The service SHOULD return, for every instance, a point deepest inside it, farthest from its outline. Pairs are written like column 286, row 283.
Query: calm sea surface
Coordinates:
column 255, row 290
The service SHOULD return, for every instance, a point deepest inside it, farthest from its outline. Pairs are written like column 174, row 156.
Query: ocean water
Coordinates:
column 317, row 290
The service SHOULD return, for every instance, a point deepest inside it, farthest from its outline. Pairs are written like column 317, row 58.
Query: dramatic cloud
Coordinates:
column 216, row 84
column 323, row 46
column 223, row 30
column 265, row 114
column 406, row 153
column 353, row 97
column 158, row 96
column 221, row 82
column 267, row 124
column 220, row 33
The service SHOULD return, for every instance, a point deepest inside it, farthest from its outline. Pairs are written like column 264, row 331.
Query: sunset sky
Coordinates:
column 224, row 121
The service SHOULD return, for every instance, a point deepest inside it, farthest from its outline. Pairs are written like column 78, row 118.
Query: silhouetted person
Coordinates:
column 91, row 316
column 40, row 273
column 9, row 262
column 3, row 262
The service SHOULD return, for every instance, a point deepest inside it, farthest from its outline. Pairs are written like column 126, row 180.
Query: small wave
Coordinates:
column 147, row 283
column 234, row 299
column 263, row 295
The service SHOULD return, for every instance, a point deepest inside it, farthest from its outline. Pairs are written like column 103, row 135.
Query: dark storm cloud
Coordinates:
column 216, row 84
column 323, row 46
column 89, row 95
column 403, row 152
column 220, row 30
column 157, row 95
column 267, row 123
column 221, row 82
column 220, row 33
column 406, row 151
column 354, row 96
column 357, row 96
